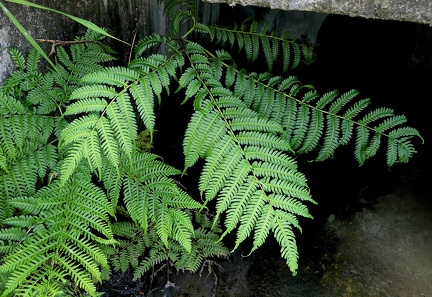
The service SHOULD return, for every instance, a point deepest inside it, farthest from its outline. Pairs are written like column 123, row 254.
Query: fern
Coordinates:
column 108, row 109
column 81, row 193
column 45, row 243
column 245, row 185
column 317, row 122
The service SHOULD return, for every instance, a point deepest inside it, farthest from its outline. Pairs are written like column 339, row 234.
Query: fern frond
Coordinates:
column 10, row 105
column 17, row 57
column 108, row 142
column 331, row 139
column 73, row 159
column 32, row 61
column 131, row 247
column 376, row 115
column 47, row 97
column 154, row 199
column 277, row 170
column 80, row 278
column 342, row 101
column 122, row 119
column 66, row 237
column 203, row 246
column 86, row 105
column 390, row 123
column 147, row 42
column 266, row 140
column 218, row 168
column 164, row 223
column 195, row 143
column 405, row 149
column 7, row 142
column 248, row 221
column 136, row 201
column 183, row 230
column 78, row 129
column 314, row 133
column 21, row 178
column 86, row 92
column 360, row 145
column 154, row 259
column 405, row 132
column 319, row 122
column 239, row 161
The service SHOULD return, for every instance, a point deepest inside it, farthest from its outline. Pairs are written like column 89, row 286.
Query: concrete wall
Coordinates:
column 121, row 18
column 419, row 11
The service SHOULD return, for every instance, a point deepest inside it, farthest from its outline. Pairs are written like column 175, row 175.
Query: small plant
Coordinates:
column 82, row 194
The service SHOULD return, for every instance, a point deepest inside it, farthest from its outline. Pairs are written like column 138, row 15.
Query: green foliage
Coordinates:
column 141, row 250
column 81, row 194
column 57, row 237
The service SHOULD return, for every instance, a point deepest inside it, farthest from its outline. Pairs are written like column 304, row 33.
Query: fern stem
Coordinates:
column 191, row 29
column 280, row 39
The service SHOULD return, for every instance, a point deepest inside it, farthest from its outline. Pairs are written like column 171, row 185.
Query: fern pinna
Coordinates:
column 81, row 195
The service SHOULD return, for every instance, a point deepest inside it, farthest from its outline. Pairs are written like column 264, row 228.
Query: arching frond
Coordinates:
column 324, row 122
column 244, row 131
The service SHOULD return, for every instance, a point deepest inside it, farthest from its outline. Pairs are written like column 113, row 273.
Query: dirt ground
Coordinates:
column 385, row 251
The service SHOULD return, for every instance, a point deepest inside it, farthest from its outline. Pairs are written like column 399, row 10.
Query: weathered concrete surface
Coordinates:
column 419, row 11
column 121, row 18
